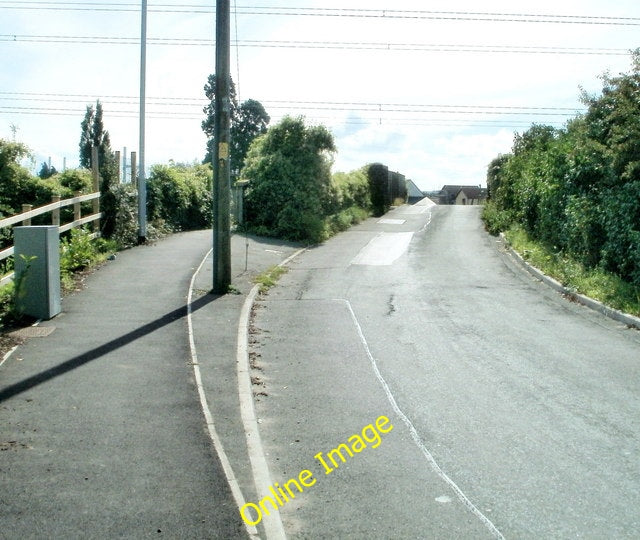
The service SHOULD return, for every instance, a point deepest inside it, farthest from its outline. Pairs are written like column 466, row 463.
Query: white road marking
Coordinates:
column 414, row 433
column 13, row 349
column 413, row 210
column 8, row 355
column 387, row 221
column 213, row 435
column 383, row 249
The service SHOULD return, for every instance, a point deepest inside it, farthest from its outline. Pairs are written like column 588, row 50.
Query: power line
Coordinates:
column 341, row 45
column 335, row 120
column 476, row 16
column 356, row 106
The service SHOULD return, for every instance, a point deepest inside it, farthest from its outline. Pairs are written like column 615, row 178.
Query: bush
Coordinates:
column 180, row 196
column 75, row 180
column 125, row 200
column 351, row 190
column 495, row 219
column 577, row 189
column 79, row 251
column 290, row 192
column 378, row 178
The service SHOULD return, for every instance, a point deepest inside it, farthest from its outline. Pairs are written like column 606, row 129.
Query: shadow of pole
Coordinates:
column 122, row 341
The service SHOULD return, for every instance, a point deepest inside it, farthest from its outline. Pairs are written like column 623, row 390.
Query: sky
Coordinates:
column 432, row 89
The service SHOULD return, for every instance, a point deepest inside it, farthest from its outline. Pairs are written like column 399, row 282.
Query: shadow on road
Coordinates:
column 102, row 350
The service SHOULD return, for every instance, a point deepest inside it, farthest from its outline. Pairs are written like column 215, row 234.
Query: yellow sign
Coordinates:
column 223, row 150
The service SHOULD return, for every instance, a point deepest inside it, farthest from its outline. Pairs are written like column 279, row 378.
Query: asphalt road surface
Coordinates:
column 515, row 413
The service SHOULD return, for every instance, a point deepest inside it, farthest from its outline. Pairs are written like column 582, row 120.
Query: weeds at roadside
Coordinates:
column 595, row 283
column 269, row 278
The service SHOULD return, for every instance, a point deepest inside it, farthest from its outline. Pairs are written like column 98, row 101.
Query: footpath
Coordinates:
column 102, row 433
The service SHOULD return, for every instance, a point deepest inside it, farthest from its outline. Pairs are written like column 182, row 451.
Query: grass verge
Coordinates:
column 269, row 278
column 595, row 283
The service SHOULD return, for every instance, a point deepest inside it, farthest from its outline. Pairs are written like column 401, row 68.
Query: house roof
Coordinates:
column 473, row 192
column 455, row 188
column 413, row 190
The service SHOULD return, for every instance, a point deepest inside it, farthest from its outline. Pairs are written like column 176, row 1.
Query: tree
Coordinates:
column 94, row 135
column 252, row 121
column 248, row 120
column 13, row 177
column 290, row 172
column 46, row 171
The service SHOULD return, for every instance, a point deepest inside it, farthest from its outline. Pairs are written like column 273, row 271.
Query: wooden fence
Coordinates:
column 28, row 213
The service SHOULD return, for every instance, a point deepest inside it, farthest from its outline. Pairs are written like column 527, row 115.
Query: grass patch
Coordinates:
column 269, row 278
column 595, row 283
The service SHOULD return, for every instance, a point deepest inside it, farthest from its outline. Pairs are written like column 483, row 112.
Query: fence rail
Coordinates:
column 54, row 207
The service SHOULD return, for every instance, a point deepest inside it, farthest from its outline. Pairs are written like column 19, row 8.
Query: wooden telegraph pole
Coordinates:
column 221, row 165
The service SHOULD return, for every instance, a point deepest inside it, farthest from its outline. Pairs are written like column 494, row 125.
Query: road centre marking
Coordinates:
column 383, row 249
column 414, row 433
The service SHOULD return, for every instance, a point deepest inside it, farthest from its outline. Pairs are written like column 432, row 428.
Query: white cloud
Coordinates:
column 446, row 151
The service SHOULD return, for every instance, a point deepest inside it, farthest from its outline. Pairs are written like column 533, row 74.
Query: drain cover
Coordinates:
column 33, row 331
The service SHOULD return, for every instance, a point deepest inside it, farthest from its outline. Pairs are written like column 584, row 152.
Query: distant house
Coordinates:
column 414, row 193
column 451, row 194
column 471, row 195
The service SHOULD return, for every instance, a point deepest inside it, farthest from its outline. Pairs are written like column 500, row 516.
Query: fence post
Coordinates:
column 27, row 208
column 55, row 213
column 77, row 209
column 96, row 185
column 117, row 152
column 134, row 173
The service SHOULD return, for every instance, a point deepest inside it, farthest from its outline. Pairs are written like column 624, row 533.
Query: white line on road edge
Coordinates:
column 414, row 433
column 13, row 349
column 261, row 476
column 213, row 434
column 8, row 355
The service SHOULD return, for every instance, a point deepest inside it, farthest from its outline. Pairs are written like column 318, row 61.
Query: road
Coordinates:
column 515, row 413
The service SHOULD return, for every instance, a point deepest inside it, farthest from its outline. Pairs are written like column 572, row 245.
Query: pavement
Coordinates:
column 102, row 433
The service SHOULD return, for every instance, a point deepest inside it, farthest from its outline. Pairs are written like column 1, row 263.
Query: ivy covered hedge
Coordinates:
column 577, row 189
column 180, row 196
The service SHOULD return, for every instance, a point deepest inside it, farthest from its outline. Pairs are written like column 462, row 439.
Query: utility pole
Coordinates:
column 142, row 183
column 221, row 165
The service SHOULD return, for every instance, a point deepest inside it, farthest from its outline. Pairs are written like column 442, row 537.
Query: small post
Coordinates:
column 124, row 165
column 77, row 209
column 95, row 173
column 27, row 208
column 134, row 172
column 117, row 152
column 55, row 213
